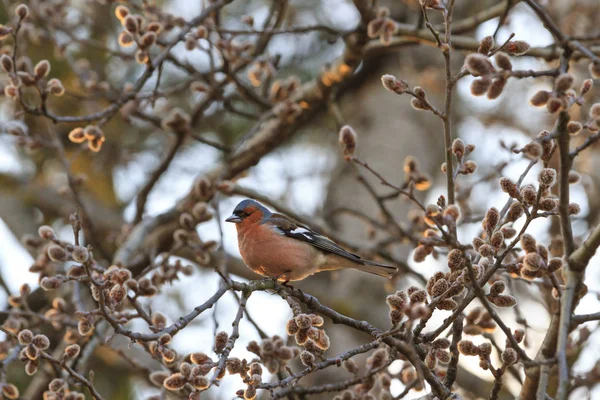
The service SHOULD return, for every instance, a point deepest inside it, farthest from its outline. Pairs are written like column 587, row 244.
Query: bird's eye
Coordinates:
column 241, row 214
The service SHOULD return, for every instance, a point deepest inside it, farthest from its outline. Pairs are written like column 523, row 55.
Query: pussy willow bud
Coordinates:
column 121, row 13
column 131, row 24
column 478, row 65
column 72, row 351
column 554, row 105
column 509, row 356
column 25, row 336
column 533, row 261
column 547, row 177
column 468, row 348
column 496, row 88
column 458, row 148
column 125, row 39
column 564, row 82
column 586, row 86
column 503, row 61
column 22, row 11
column 486, row 45
column 46, row 232
column 480, row 86
column 7, row 63
column 347, row 139
column 574, row 209
column 574, row 127
column 503, row 300
column 540, row 98
column 41, row 341
column 175, row 382
column 394, row 85
column 42, row 69
column 517, row 47
column 221, row 341
column 55, row 87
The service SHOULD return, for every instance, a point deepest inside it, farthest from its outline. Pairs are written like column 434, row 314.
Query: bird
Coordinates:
column 278, row 247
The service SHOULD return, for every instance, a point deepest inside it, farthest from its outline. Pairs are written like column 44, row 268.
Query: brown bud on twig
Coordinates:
column 42, row 69
column 503, row 61
column 175, row 382
column 547, row 177
column 10, row 391
column 46, row 232
column 221, row 341
column 564, row 82
column 125, row 39
column 41, row 341
column 486, row 45
column 394, row 85
column 574, row 209
column 25, row 336
column 347, row 139
column 496, row 88
column 22, row 11
column 517, row 47
column 509, row 356
column 458, row 148
column 480, row 86
column 72, row 351
column 7, row 63
column 130, row 23
column 468, row 348
column 574, row 127
column 50, row 283
column 478, row 65
column 55, row 87
column 121, row 13
column 540, row 98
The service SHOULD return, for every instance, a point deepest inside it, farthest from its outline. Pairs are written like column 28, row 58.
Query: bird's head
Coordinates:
column 248, row 211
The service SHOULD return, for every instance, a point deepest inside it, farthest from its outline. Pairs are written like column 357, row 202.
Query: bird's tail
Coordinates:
column 387, row 271
column 334, row 261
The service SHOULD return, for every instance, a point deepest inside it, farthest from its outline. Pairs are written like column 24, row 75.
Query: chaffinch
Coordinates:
column 278, row 247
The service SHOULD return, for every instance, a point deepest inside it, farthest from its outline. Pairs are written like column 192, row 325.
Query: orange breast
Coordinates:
column 285, row 259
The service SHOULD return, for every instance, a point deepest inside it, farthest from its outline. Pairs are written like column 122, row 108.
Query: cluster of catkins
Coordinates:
column 490, row 79
column 187, row 236
column 436, row 215
column 437, row 352
column 58, row 389
column 273, row 353
column 305, row 329
column 251, row 376
column 137, row 31
column 192, row 373
column 160, row 349
column 32, row 346
column 91, row 134
column 460, row 150
column 376, row 383
column 382, row 27
column 410, row 304
column 509, row 356
column 497, row 297
column 562, row 97
column 445, row 287
column 22, row 76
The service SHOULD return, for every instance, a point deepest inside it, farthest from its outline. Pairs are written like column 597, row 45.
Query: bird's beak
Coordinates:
column 234, row 218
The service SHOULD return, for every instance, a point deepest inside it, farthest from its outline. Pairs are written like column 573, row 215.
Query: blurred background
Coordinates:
column 306, row 174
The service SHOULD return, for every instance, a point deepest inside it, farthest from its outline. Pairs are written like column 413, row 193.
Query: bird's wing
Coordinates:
column 290, row 228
